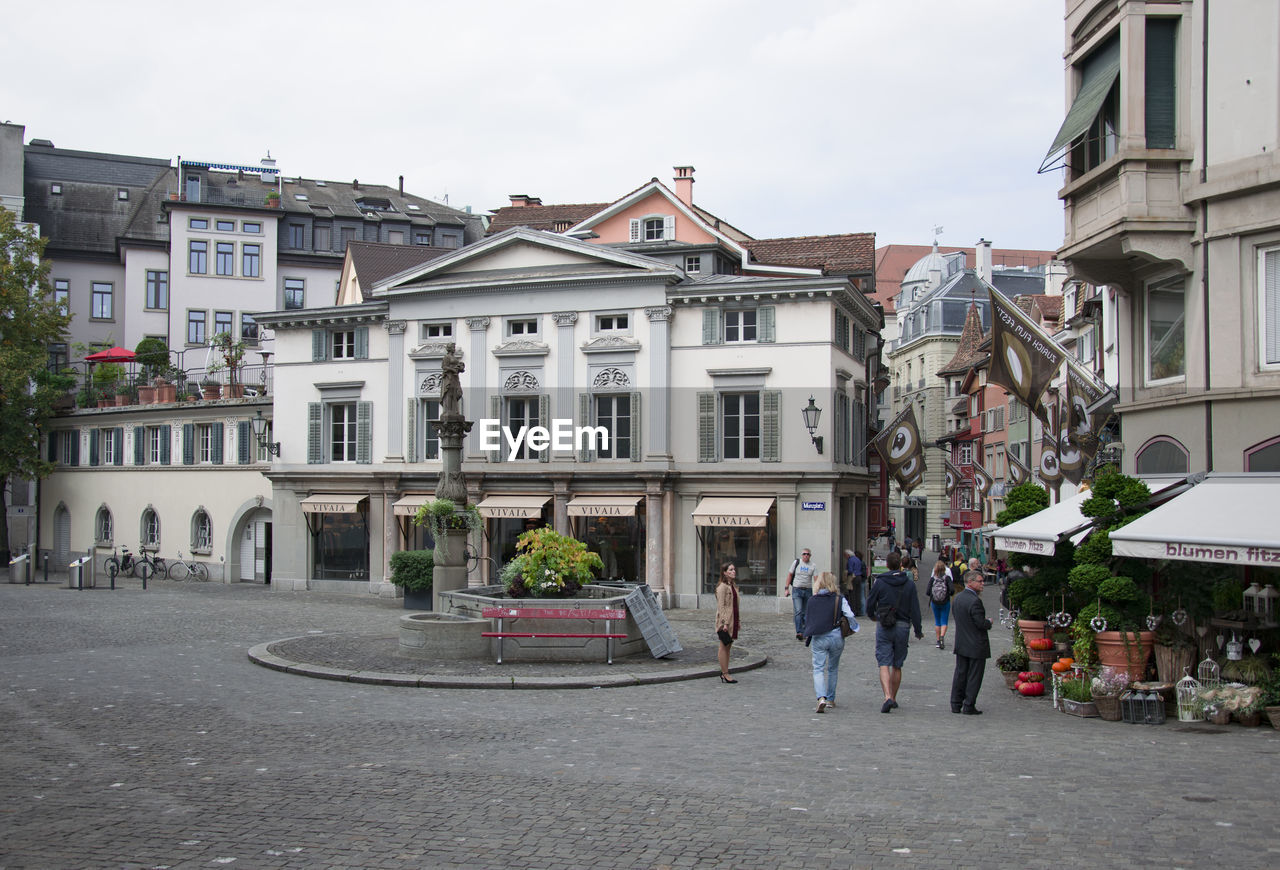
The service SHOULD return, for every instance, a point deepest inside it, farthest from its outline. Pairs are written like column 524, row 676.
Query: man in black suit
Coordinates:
column 972, row 646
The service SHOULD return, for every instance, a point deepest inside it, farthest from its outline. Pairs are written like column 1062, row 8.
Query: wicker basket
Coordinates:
column 1108, row 707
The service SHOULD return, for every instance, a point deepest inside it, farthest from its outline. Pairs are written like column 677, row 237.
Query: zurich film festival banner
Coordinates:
column 953, row 477
column 1017, row 471
column 1024, row 358
column 982, row 483
column 1071, row 459
column 1050, row 468
column 1089, row 404
column 900, row 447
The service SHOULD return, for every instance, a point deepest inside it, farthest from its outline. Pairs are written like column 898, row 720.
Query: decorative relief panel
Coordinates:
column 430, row 385
column 610, row 377
column 520, row 382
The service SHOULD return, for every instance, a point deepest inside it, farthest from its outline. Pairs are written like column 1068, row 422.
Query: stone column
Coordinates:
column 657, row 440
column 479, row 360
column 654, row 551
column 395, row 389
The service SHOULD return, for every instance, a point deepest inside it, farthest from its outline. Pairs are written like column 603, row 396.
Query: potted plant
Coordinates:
column 232, row 358
column 1106, row 688
column 1175, row 652
column 1013, row 662
column 1270, row 699
column 127, row 394
column 210, row 387
column 411, row 571
column 105, row 378
column 153, row 355
column 272, row 199
column 548, row 564
column 441, row 514
column 1077, row 697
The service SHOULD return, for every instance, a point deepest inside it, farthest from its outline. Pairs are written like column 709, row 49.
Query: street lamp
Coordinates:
column 812, row 413
column 260, row 432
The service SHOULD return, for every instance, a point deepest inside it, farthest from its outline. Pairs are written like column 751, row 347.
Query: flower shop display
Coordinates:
column 1220, row 703
column 1106, row 688
column 1014, row 661
column 1077, row 696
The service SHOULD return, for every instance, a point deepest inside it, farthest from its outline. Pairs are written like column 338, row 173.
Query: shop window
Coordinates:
column 340, row 546
column 753, row 550
column 620, row 543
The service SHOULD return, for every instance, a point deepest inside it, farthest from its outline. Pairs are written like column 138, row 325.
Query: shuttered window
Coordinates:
column 1269, row 317
column 1161, row 86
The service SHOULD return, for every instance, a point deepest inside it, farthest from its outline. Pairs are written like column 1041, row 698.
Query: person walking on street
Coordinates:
column 854, row 570
column 727, row 623
column 822, row 631
column 973, row 646
column 893, row 601
column 800, row 587
column 939, row 590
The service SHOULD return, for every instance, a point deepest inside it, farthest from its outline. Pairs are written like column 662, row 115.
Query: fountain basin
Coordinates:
column 443, row 636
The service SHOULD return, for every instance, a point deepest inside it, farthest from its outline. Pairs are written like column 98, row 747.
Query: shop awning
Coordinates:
column 720, row 511
column 409, row 504
column 1227, row 518
column 1101, row 70
column 1040, row 533
column 604, row 506
column 333, row 503
column 497, row 507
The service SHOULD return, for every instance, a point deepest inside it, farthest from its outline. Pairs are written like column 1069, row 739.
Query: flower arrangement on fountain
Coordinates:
column 548, row 564
column 440, row 514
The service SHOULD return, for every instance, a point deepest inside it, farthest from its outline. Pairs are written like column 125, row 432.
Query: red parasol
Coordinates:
column 115, row 354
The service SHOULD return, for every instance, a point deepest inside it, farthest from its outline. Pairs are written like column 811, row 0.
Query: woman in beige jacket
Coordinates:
column 726, row 616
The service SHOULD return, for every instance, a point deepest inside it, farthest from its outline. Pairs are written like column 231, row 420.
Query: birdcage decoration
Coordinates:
column 1188, row 689
column 1209, row 674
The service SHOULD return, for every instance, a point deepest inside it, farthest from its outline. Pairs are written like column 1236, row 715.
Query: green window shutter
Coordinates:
column 362, row 342
column 75, row 446
column 319, row 344
column 495, row 413
column 315, row 440
column 364, row 433
column 635, row 426
column 244, row 449
column 188, row 443
column 770, row 407
column 166, row 441
column 411, row 444
column 215, row 443
column 584, row 419
column 93, row 446
column 139, row 445
column 707, row 442
column 1161, row 82
column 711, row 326
column 544, row 420
column 764, row 324
column 118, row 449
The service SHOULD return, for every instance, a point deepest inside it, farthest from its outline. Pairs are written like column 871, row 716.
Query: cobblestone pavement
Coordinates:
column 138, row 734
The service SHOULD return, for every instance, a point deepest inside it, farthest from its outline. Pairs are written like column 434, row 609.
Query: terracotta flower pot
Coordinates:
column 211, row 393
column 146, row 395
column 1129, row 656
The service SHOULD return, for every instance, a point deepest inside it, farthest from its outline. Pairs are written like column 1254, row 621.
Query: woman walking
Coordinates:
column 822, row 632
column 726, row 616
column 940, row 588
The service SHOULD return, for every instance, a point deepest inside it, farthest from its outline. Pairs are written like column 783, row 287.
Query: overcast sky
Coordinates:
column 801, row 117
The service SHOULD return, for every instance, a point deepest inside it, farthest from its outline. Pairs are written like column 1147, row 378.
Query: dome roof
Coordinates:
column 932, row 261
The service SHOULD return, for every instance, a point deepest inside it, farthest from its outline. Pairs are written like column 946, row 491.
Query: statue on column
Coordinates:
column 453, row 427
column 450, row 384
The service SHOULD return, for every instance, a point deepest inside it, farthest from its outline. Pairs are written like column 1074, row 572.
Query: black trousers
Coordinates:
column 966, row 682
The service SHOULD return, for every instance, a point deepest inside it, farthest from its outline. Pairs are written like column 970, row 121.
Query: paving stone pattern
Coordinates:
column 138, row 734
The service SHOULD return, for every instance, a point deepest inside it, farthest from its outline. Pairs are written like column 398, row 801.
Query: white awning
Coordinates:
column 332, row 503
column 1227, row 518
column 720, row 511
column 409, row 504
column 604, row 506
column 1039, row 533
column 499, row 507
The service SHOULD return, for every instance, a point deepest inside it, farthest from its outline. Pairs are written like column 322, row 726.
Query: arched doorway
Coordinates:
column 254, row 544
column 61, row 538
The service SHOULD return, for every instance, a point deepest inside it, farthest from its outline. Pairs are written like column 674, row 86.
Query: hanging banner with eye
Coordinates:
column 1089, row 403
column 1018, row 472
column 900, row 447
column 953, row 477
column 1050, row 467
column 982, row 483
column 1071, row 458
column 1024, row 358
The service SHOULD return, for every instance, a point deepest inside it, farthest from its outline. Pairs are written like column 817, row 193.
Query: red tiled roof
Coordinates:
column 842, row 254
column 893, row 261
column 552, row 218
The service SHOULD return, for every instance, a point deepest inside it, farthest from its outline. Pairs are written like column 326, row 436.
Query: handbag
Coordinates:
column 842, row 621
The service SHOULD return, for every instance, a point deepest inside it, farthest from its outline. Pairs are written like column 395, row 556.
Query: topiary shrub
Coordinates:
column 411, row 570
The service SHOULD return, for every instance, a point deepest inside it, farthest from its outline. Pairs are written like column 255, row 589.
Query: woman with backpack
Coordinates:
column 940, row 601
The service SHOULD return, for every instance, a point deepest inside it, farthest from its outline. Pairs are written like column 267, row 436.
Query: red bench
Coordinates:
column 514, row 613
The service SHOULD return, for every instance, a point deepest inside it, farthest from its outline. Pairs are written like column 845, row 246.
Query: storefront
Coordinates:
column 339, row 527
column 412, row 535
column 506, row 518
column 611, row 526
column 739, row 530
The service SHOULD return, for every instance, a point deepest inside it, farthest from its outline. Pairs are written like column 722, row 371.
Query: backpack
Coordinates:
column 939, row 589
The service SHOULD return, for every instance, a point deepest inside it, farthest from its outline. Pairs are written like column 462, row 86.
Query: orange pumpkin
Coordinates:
column 1060, row 667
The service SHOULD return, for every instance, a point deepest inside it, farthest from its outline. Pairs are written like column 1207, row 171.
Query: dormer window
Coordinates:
column 655, row 228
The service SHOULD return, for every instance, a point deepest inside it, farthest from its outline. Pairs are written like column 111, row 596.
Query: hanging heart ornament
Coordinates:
column 1098, row 623
column 1254, row 644
column 1202, row 630
column 1153, row 621
column 1221, row 641
column 1179, row 616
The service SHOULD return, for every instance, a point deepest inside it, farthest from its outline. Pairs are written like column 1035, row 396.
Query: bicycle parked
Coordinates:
column 180, row 569
column 145, row 566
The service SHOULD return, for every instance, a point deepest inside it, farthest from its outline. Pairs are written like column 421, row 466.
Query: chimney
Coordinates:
column 523, row 200
column 982, row 253
column 269, row 170
column 355, row 184
column 1055, row 277
column 684, row 184
column 402, row 185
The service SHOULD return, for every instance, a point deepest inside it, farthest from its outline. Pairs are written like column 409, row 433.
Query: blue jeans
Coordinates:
column 799, row 601
column 826, row 649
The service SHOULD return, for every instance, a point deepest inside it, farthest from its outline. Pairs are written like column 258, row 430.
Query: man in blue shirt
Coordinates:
column 854, row 571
